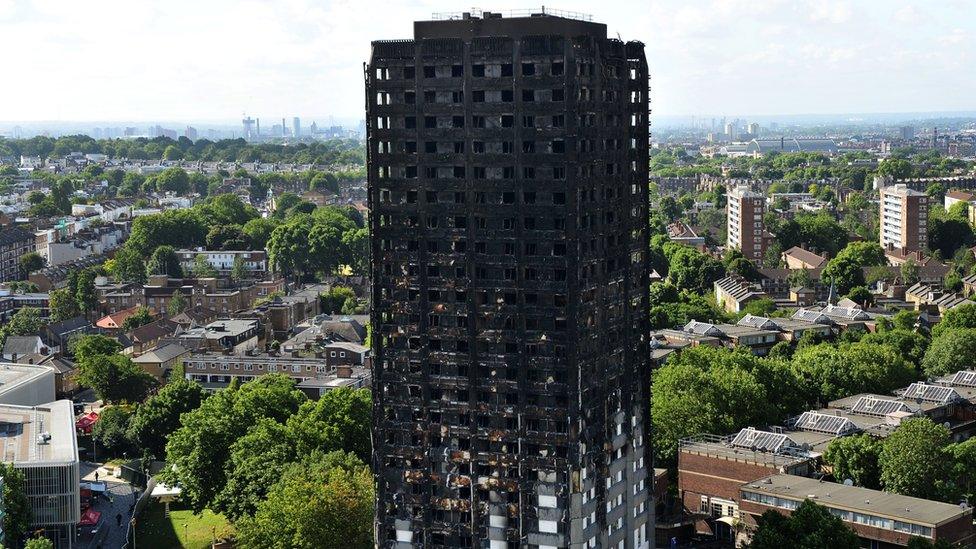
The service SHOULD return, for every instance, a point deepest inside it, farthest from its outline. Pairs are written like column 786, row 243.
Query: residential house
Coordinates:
column 18, row 346
column 148, row 336
column 57, row 334
column 162, row 360
column 801, row 258
column 734, row 292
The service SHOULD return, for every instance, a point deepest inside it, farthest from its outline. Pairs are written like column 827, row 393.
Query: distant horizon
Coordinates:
column 219, row 60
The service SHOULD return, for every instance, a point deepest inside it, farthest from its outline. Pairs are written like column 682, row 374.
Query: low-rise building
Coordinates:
column 801, row 258
column 255, row 262
column 315, row 373
column 880, row 519
column 733, row 292
column 40, row 441
column 711, row 470
column 235, row 336
column 161, row 361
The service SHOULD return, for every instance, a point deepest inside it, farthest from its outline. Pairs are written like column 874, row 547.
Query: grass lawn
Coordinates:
column 156, row 531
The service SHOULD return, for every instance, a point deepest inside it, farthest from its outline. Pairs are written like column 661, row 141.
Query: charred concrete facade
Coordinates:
column 507, row 162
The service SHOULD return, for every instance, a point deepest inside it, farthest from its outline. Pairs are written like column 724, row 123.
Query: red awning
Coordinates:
column 90, row 518
column 85, row 422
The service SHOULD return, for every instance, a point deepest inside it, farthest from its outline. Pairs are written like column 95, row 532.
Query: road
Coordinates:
column 121, row 497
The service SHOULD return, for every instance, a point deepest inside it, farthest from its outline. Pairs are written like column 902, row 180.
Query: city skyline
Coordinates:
column 216, row 62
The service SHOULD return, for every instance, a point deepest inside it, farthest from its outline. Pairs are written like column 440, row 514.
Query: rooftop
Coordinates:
column 854, row 498
column 38, row 434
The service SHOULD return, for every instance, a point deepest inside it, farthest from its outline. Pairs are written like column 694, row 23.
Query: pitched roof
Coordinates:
column 161, row 354
column 22, row 345
column 67, row 326
column 115, row 320
column 153, row 331
column 806, row 256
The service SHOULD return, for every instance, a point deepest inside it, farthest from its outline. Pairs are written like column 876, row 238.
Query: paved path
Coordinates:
column 121, row 497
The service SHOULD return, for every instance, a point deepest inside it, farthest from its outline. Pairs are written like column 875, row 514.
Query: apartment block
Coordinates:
column 14, row 243
column 746, row 230
column 507, row 170
column 904, row 214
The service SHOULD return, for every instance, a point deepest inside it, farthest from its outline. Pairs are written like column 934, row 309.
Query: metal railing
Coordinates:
column 478, row 13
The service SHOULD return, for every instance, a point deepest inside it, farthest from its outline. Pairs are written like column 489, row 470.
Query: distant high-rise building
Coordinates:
column 903, row 218
column 730, row 132
column 507, row 175
column 191, row 133
column 284, row 128
column 753, row 129
column 249, row 125
column 907, row 132
column 746, row 229
column 296, row 127
column 313, row 129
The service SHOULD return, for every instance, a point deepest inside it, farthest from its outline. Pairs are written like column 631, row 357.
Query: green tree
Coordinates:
column 963, row 316
column 227, row 237
column 174, row 180
column 861, row 295
column 28, row 263
column 856, row 458
column 164, row 261
column 177, row 304
column 258, row 231
column 310, row 503
column 339, row 420
column 16, row 507
column 62, row 305
column 159, row 416
column 115, row 378
column 952, row 350
column 92, row 345
column 172, row 153
column 39, row 543
column 692, row 270
column 356, row 243
column 200, row 449
column 909, row 344
column 829, row 372
column 238, row 270
column 85, row 295
column 910, row 272
column 915, row 462
column 141, row 317
column 809, row 526
column 202, row 268
column 130, row 266
column 257, row 461
column 332, row 301
column 26, row 321
column 110, row 431
column 708, row 390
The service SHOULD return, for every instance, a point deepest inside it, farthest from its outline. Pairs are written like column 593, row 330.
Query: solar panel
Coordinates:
column 762, row 440
column 874, row 406
column 931, row 393
column 965, row 378
column 825, row 423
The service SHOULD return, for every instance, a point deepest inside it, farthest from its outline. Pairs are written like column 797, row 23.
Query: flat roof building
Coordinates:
column 508, row 169
column 877, row 517
column 40, row 440
column 903, row 221
column 746, row 228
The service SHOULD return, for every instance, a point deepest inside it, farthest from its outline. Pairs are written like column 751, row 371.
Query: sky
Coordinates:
column 215, row 60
